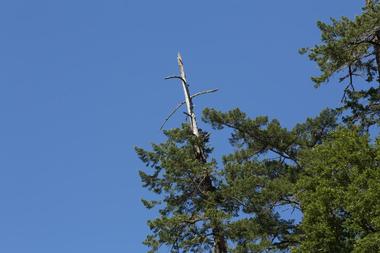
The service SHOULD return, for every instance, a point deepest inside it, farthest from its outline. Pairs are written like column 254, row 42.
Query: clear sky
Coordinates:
column 81, row 83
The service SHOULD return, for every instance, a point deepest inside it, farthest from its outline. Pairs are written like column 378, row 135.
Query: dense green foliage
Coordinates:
column 249, row 188
column 339, row 192
column 326, row 169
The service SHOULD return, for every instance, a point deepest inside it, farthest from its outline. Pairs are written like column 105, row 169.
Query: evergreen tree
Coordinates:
column 351, row 49
column 329, row 173
column 248, row 190
column 339, row 186
column 191, row 219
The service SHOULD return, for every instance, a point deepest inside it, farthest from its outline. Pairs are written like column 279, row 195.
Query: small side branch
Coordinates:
column 184, row 102
column 176, row 77
column 172, row 113
column 203, row 92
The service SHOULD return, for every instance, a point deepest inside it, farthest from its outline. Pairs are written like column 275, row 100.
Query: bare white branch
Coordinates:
column 184, row 102
column 203, row 92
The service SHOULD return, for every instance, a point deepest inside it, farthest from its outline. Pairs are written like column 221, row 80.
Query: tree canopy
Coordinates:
column 350, row 50
column 339, row 191
column 326, row 168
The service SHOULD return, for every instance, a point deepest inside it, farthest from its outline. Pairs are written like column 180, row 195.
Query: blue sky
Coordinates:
column 81, row 83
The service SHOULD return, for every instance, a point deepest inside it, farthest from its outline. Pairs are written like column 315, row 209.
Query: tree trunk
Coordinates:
column 220, row 244
column 369, row 5
column 377, row 54
column 189, row 102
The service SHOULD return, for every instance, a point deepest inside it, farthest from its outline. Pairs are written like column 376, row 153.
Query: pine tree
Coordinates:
column 338, row 188
column 261, row 176
column 191, row 217
column 234, row 206
column 350, row 49
column 330, row 173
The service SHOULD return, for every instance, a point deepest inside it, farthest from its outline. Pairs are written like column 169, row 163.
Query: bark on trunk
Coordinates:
column 220, row 243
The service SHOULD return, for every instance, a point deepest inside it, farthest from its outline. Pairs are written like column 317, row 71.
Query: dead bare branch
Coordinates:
column 172, row 113
column 203, row 92
column 177, row 77
column 184, row 102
